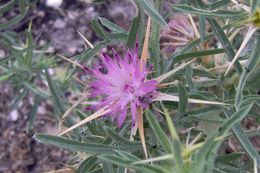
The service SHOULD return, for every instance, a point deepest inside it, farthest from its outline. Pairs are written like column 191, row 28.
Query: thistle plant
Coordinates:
column 184, row 111
column 179, row 34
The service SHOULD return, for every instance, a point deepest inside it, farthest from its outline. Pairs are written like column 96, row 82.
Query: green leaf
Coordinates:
column 227, row 158
column 189, row 75
column 99, row 30
column 202, row 27
column 218, row 4
column 133, row 31
column 158, row 131
column 183, row 102
column 5, row 77
column 33, row 112
column 23, row 11
column 205, row 156
column 218, row 13
column 177, row 152
column 154, row 44
column 235, row 118
column 199, row 111
column 250, row 99
column 246, row 144
column 108, row 168
column 147, row 6
column 110, row 25
column 127, row 162
column 18, row 97
column 251, row 65
column 117, row 138
column 117, row 37
column 36, row 90
column 172, row 129
column 73, row 145
column 29, row 43
column 207, row 118
column 16, row 55
column 57, row 99
column 89, row 53
column 225, row 43
column 87, row 164
column 7, row 6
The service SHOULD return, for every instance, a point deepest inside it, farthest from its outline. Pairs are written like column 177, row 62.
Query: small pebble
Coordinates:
column 59, row 24
column 13, row 116
column 2, row 54
column 72, row 49
column 41, row 110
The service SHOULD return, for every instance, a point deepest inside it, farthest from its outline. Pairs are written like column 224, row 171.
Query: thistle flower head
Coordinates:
column 180, row 33
column 121, row 82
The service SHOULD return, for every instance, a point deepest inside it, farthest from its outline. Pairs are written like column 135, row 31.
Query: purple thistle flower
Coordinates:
column 179, row 34
column 121, row 82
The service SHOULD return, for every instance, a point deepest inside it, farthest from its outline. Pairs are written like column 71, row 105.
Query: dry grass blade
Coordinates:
column 73, row 62
column 197, row 34
column 133, row 132
column 255, row 166
column 246, row 8
column 156, row 159
column 80, row 100
column 249, row 34
column 86, row 40
column 141, row 129
column 167, row 97
column 89, row 118
column 167, row 84
column 89, row 103
column 144, row 55
column 166, row 75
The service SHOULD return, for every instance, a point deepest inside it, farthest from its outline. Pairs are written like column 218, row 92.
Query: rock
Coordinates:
column 54, row 3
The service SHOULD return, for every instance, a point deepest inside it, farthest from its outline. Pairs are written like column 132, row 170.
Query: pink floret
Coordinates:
column 121, row 82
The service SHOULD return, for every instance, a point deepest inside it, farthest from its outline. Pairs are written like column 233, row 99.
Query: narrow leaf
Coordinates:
column 235, row 118
column 57, row 100
column 87, row 164
column 251, row 65
column 246, row 144
column 159, row 133
column 183, row 102
column 218, row 13
column 110, row 25
column 33, row 112
column 74, row 145
column 225, row 43
column 151, row 11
